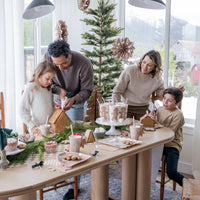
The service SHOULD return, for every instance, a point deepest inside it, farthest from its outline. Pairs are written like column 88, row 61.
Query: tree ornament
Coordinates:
column 61, row 28
column 123, row 49
column 83, row 4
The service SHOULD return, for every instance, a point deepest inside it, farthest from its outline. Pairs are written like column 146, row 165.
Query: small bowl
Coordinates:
column 99, row 135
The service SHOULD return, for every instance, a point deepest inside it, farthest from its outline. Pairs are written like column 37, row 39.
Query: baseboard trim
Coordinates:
column 185, row 168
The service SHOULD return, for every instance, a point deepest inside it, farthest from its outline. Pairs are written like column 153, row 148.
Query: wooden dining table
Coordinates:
column 22, row 181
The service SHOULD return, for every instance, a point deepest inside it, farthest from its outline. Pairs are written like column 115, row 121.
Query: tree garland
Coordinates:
column 37, row 147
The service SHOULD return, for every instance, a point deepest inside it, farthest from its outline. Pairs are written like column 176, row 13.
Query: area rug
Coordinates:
column 114, row 190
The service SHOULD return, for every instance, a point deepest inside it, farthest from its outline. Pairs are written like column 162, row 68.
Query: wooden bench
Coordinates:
column 191, row 189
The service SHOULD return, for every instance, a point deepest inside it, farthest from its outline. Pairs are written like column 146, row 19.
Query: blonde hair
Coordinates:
column 43, row 68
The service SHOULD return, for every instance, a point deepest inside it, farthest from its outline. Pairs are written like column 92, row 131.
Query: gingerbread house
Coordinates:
column 59, row 120
column 147, row 121
column 89, row 136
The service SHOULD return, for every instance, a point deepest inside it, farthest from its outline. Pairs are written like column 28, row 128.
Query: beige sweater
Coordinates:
column 137, row 87
column 175, row 121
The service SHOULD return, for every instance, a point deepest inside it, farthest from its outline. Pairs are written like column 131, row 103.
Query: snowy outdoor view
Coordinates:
column 146, row 28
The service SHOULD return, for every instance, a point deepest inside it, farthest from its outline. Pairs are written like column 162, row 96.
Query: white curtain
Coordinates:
column 12, row 58
column 68, row 11
column 196, row 143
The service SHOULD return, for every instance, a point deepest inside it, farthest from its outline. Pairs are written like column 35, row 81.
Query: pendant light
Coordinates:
column 149, row 4
column 38, row 8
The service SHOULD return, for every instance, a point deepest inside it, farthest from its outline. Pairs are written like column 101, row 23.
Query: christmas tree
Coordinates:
column 101, row 37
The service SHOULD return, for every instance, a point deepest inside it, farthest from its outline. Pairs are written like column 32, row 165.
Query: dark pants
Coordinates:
column 136, row 111
column 172, row 156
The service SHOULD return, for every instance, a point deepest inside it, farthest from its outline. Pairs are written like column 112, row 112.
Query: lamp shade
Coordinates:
column 38, row 8
column 150, row 4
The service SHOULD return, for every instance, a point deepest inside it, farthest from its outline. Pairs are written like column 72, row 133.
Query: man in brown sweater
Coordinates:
column 74, row 75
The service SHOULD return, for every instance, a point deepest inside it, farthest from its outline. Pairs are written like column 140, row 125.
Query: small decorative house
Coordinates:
column 147, row 121
column 89, row 136
column 59, row 120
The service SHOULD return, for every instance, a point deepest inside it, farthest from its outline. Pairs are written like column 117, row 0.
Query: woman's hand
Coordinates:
column 181, row 87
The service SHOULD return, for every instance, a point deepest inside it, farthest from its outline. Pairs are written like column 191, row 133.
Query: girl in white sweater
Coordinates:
column 37, row 101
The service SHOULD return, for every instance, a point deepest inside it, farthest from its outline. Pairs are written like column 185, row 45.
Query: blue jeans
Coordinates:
column 172, row 156
column 77, row 112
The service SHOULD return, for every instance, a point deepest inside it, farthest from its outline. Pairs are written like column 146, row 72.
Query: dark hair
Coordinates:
column 58, row 48
column 156, row 58
column 176, row 92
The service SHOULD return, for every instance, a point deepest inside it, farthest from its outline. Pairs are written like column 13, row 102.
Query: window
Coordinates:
column 185, row 45
column 37, row 36
column 146, row 28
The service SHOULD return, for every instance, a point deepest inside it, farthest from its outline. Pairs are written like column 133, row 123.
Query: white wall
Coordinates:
column 185, row 160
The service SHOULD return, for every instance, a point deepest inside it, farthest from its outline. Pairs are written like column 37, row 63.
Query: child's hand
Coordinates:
column 152, row 114
column 34, row 130
column 62, row 93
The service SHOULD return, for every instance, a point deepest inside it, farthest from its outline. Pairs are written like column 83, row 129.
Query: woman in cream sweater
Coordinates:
column 137, row 83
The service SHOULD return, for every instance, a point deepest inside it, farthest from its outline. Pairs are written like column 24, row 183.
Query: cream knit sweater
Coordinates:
column 137, row 87
column 35, row 105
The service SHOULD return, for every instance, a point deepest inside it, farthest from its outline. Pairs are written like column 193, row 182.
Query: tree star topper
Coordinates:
column 123, row 49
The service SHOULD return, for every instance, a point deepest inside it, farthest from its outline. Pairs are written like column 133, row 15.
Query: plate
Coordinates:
column 153, row 128
column 70, row 163
column 123, row 123
column 158, row 126
column 10, row 153
column 118, row 142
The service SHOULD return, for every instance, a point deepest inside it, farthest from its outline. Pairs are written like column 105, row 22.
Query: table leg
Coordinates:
column 100, row 183
column 29, row 196
column 129, row 178
column 143, row 175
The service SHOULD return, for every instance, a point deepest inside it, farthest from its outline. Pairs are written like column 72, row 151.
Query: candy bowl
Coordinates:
column 99, row 133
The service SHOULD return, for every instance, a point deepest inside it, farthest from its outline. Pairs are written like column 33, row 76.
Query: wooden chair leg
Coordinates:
column 174, row 185
column 75, row 187
column 41, row 194
column 55, row 186
column 162, row 179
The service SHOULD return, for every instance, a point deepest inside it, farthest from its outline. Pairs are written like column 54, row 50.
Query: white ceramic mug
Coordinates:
column 135, row 131
column 75, row 143
column 44, row 129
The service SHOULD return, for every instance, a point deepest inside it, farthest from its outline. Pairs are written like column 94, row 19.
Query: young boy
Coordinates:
column 170, row 116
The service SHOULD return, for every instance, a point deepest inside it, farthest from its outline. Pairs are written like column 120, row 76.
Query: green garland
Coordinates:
column 37, row 147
